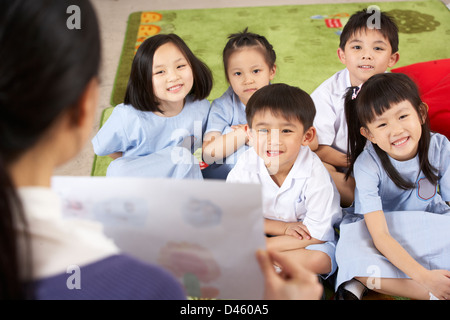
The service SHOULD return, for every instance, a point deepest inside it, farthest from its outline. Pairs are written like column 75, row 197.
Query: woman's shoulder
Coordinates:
column 137, row 280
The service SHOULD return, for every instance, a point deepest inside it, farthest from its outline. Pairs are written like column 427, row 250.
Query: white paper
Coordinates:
column 205, row 232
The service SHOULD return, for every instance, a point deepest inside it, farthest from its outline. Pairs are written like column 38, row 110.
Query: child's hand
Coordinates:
column 241, row 129
column 292, row 283
column 438, row 283
column 115, row 155
column 297, row 230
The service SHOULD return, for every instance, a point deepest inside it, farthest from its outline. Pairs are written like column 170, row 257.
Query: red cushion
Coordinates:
column 433, row 80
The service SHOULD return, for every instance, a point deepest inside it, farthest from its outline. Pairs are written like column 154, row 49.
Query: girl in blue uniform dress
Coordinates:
column 155, row 132
column 249, row 63
column 396, row 241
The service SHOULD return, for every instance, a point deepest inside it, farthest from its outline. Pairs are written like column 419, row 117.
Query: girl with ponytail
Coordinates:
column 399, row 228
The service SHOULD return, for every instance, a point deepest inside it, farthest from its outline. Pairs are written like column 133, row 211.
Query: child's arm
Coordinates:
column 288, row 235
column 217, row 147
column 115, row 155
column 278, row 228
column 435, row 281
column 332, row 156
column 286, row 243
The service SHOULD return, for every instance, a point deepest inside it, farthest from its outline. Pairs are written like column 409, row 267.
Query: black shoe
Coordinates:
column 342, row 294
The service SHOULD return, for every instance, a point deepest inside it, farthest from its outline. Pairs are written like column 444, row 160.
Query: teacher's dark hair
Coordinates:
column 45, row 67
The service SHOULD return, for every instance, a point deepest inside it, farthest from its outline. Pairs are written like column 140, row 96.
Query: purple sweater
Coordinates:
column 118, row 277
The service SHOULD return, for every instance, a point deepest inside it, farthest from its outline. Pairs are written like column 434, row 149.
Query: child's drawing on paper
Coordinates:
column 111, row 211
column 74, row 208
column 117, row 211
column 201, row 213
column 194, row 265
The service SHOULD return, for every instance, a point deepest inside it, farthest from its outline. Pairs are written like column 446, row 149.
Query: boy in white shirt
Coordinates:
column 365, row 48
column 301, row 204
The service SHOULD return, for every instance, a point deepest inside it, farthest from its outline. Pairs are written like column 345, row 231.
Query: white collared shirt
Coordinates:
column 308, row 193
column 330, row 121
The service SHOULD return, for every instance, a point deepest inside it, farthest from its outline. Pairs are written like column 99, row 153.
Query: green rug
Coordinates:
column 305, row 38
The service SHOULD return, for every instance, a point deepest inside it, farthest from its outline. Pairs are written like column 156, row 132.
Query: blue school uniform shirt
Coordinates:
column 376, row 191
column 226, row 111
column 139, row 133
column 148, row 141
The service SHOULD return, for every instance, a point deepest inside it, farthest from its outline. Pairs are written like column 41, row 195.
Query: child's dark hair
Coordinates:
column 358, row 23
column 377, row 95
column 44, row 70
column 245, row 39
column 282, row 99
column 139, row 91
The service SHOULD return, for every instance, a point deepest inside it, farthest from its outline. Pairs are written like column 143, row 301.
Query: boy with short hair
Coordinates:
column 300, row 201
column 365, row 51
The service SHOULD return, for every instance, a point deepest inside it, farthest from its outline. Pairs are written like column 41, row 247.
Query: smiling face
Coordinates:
column 278, row 140
column 248, row 71
column 397, row 131
column 172, row 76
column 367, row 52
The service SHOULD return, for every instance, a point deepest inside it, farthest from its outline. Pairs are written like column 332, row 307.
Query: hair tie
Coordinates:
column 355, row 92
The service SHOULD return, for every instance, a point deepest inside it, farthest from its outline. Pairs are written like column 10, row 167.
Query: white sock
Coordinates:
column 277, row 268
column 433, row 297
column 355, row 287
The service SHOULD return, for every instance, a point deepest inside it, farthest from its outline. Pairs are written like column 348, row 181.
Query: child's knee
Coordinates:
column 318, row 262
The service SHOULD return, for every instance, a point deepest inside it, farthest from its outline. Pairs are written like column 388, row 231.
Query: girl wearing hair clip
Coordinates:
column 395, row 238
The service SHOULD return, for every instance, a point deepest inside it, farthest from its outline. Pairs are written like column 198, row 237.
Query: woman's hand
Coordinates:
column 292, row 283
